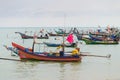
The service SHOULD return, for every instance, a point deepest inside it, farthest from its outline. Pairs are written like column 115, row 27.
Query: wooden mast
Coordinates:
column 33, row 44
column 35, row 36
column 63, row 46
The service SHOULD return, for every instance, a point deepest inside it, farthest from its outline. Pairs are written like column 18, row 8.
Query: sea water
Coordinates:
column 90, row 68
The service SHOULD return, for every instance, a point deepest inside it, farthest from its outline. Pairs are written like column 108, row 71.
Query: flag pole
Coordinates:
column 64, row 35
column 34, row 37
column 63, row 44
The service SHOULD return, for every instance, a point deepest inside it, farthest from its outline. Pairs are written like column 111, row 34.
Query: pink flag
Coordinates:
column 70, row 38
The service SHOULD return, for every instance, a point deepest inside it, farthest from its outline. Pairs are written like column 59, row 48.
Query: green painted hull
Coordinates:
column 88, row 41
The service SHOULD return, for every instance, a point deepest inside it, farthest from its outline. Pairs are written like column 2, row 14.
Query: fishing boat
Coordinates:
column 56, row 45
column 24, row 36
column 25, row 53
column 71, row 41
column 105, row 42
column 60, row 31
column 55, row 34
column 95, row 37
column 104, row 37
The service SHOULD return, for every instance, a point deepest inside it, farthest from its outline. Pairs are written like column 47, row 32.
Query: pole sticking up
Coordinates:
column 107, row 56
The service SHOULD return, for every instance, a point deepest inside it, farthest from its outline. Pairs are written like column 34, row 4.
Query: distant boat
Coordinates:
column 60, row 31
column 71, row 39
column 89, row 41
column 55, row 34
column 56, row 45
column 95, row 37
column 103, row 37
column 24, row 36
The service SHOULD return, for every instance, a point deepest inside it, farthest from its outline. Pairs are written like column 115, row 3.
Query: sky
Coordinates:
column 45, row 13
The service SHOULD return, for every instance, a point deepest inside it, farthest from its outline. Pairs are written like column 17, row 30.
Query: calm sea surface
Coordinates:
column 91, row 68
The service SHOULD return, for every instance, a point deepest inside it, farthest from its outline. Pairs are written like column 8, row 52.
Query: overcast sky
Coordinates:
column 30, row 13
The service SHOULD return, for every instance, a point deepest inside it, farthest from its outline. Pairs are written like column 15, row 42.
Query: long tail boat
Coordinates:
column 105, row 42
column 55, row 34
column 103, row 37
column 96, row 38
column 25, row 53
column 24, row 36
column 56, row 45
column 61, row 31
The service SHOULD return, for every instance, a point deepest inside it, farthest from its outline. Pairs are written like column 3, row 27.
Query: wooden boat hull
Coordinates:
column 24, row 36
column 32, row 56
column 88, row 41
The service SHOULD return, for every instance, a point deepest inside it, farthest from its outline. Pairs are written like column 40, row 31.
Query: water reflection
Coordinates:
column 69, row 71
column 25, row 70
column 47, row 70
